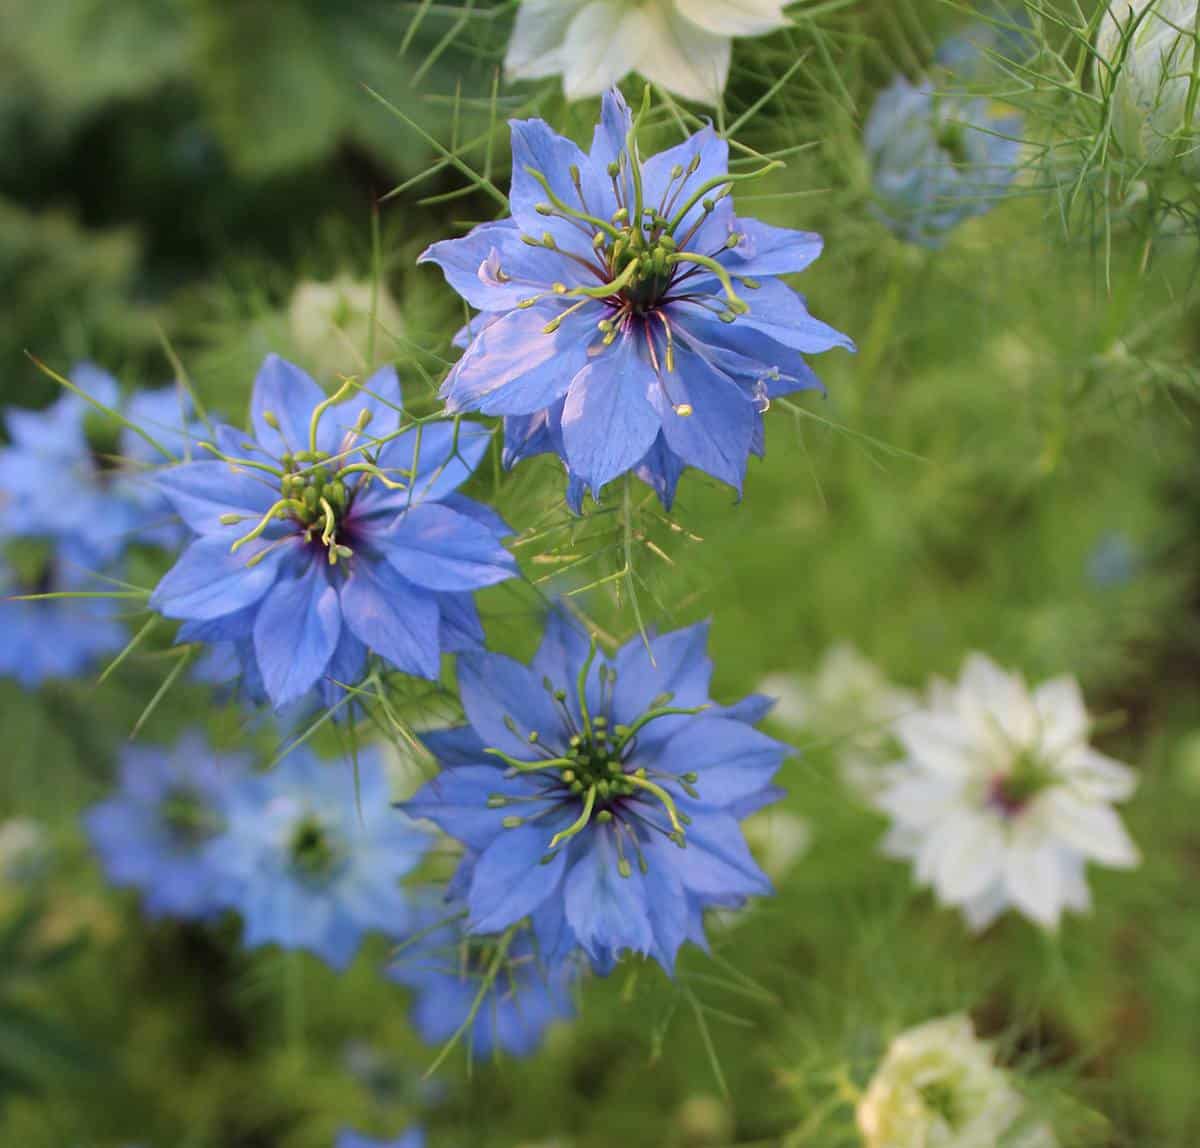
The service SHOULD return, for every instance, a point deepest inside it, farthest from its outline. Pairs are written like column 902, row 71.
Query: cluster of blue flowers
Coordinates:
column 629, row 322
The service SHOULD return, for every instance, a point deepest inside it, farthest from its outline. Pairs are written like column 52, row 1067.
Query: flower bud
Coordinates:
column 1145, row 57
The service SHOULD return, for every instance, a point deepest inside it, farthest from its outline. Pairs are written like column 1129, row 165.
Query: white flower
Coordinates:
column 847, row 703
column 1146, row 51
column 778, row 839
column 939, row 1087
column 23, row 848
column 1001, row 801
column 331, row 324
column 682, row 45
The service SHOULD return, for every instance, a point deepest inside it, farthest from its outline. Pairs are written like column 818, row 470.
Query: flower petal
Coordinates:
column 510, row 880
column 201, row 492
column 296, row 633
column 209, row 582
column 283, row 392
column 608, row 421
column 397, row 620
column 434, row 547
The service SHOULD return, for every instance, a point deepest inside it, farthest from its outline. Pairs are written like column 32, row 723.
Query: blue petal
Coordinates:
column 296, row 633
column 201, row 492
column 494, row 688
column 680, row 667
column 394, row 618
column 432, row 546
column 460, row 628
column 462, row 262
column 380, row 397
column 484, row 515
column 97, row 384
column 660, row 470
column 716, row 864
column 766, row 250
column 536, row 146
column 285, row 391
column 712, row 228
column 514, row 367
column 432, row 462
column 605, row 910
column 209, row 582
column 460, row 745
column 717, row 435
column 608, row 421
column 510, row 881
column 456, row 800
column 732, row 759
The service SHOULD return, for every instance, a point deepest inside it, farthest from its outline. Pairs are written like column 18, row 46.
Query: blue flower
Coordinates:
column 631, row 322
column 937, row 158
column 608, row 813
column 314, row 854
column 72, row 473
column 55, row 637
column 413, row 1138
column 316, row 545
column 506, row 983
column 164, row 829
column 1003, row 33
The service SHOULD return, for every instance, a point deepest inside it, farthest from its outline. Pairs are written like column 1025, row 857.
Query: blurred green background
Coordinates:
column 1008, row 465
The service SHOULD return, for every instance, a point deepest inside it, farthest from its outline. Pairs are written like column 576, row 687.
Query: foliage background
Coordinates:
column 169, row 172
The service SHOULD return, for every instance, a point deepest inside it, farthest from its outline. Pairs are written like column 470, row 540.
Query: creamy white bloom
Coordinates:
column 682, row 45
column 330, row 324
column 23, row 848
column 1000, row 801
column 939, row 1087
column 778, row 839
column 1146, row 51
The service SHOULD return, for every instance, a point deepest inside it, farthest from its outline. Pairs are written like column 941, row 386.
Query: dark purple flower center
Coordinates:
column 1011, row 792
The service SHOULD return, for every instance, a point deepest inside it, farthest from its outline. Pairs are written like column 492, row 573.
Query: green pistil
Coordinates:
column 31, row 561
column 952, row 140
column 942, row 1098
column 189, row 819
column 594, row 766
column 316, row 490
column 314, row 853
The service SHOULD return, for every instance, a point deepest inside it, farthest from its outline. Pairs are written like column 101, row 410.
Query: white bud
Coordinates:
column 330, row 325
column 1146, row 50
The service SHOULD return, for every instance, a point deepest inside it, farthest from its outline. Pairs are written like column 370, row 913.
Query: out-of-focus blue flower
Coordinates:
column 631, row 322
column 1113, row 561
column 54, row 637
column 937, row 158
column 514, row 993
column 601, row 796
column 163, row 830
column 413, row 1138
column 314, row 855
column 72, row 473
column 1003, row 34
column 315, row 546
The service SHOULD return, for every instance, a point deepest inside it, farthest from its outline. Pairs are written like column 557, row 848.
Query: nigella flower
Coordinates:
column 937, row 158
column 630, row 320
column 506, row 984
column 682, row 45
column 51, row 637
column 413, row 1138
column 1001, row 801
column 314, row 855
column 939, row 1084
column 601, row 796
column 162, row 831
column 315, row 545
column 72, row 473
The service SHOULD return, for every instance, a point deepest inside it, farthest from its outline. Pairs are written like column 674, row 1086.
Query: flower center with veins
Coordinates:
column 317, row 490
column 591, row 764
column 313, row 850
column 640, row 255
column 1011, row 792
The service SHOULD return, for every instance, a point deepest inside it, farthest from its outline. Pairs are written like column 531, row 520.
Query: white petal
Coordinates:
column 535, row 49
column 972, row 858
column 1062, row 716
column 1097, row 776
column 682, row 57
column 995, row 704
column 1076, row 894
column 1034, row 880
column 734, row 17
column 981, row 910
column 597, row 50
column 1090, row 827
column 938, row 742
column 918, row 799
